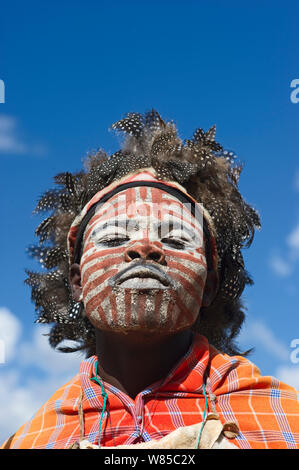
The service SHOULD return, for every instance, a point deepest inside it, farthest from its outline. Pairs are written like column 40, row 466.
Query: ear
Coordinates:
column 211, row 288
column 75, row 281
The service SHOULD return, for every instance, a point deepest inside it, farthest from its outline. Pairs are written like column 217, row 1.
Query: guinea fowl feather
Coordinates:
column 208, row 172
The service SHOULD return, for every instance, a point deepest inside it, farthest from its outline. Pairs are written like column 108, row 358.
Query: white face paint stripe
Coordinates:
column 189, row 275
column 104, row 214
column 117, row 208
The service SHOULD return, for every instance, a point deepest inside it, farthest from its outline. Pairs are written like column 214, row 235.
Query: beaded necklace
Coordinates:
column 105, row 398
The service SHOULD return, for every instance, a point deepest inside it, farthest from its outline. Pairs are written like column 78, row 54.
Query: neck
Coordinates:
column 131, row 362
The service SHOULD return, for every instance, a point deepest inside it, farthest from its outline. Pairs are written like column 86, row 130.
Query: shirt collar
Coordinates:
column 185, row 377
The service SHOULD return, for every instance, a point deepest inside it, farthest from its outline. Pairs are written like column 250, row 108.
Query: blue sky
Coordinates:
column 71, row 69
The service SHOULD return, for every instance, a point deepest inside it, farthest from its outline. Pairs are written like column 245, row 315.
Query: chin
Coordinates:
column 148, row 326
column 143, row 311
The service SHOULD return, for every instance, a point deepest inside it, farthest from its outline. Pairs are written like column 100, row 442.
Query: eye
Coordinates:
column 115, row 241
column 174, row 242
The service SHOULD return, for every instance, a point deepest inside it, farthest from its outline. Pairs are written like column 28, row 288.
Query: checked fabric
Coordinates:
column 265, row 409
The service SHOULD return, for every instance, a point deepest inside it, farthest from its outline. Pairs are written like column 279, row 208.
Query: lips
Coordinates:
column 143, row 271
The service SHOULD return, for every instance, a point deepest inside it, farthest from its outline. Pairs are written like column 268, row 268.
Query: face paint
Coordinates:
column 143, row 265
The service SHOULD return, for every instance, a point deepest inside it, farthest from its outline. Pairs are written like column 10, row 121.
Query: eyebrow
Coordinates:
column 115, row 223
column 133, row 223
column 112, row 223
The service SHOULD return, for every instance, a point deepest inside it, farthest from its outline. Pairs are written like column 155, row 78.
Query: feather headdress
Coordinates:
column 207, row 172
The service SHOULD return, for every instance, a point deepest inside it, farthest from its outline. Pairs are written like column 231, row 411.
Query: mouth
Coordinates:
column 142, row 274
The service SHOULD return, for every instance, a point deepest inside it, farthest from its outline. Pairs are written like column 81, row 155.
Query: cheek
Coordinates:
column 97, row 267
column 95, row 260
column 189, row 269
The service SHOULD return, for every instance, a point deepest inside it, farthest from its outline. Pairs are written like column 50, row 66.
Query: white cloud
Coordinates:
column 280, row 266
column 47, row 360
column 9, row 139
column 32, row 372
column 284, row 265
column 258, row 332
column 260, row 336
column 289, row 375
column 17, row 400
column 10, row 330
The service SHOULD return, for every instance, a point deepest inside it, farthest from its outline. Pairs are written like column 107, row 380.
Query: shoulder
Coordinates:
column 241, row 379
column 266, row 409
column 241, row 374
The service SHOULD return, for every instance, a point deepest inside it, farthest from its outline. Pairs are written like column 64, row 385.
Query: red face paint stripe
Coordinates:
column 156, row 195
column 100, row 265
column 178, row 254
column 113, row 309
column 166, row 201
column 91, row 246
column 102, row 314
column 184, row 311
column 187, row 286
column 96, row 299
column 143, row 192
column 109, row 251
column 90, row 286
column 171, row 321
column 128, row 306
column 189, row 272
column 186, row 269
column 141, row 309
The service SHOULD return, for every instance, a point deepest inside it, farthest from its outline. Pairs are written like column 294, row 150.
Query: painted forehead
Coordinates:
column 138, row 207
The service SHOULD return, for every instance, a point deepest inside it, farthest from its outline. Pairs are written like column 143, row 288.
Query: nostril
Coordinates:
column 133, row 254
column 155, row 256
column 145, row 251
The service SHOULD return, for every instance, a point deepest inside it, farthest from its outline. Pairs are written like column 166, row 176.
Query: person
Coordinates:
column 144, row 273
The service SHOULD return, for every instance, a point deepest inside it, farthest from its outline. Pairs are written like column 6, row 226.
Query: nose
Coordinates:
column 146, row 251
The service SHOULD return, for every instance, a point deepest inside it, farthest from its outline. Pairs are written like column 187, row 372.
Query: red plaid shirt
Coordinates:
column 265, row 409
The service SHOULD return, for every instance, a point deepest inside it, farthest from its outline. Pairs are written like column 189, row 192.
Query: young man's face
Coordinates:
column 143, row 266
